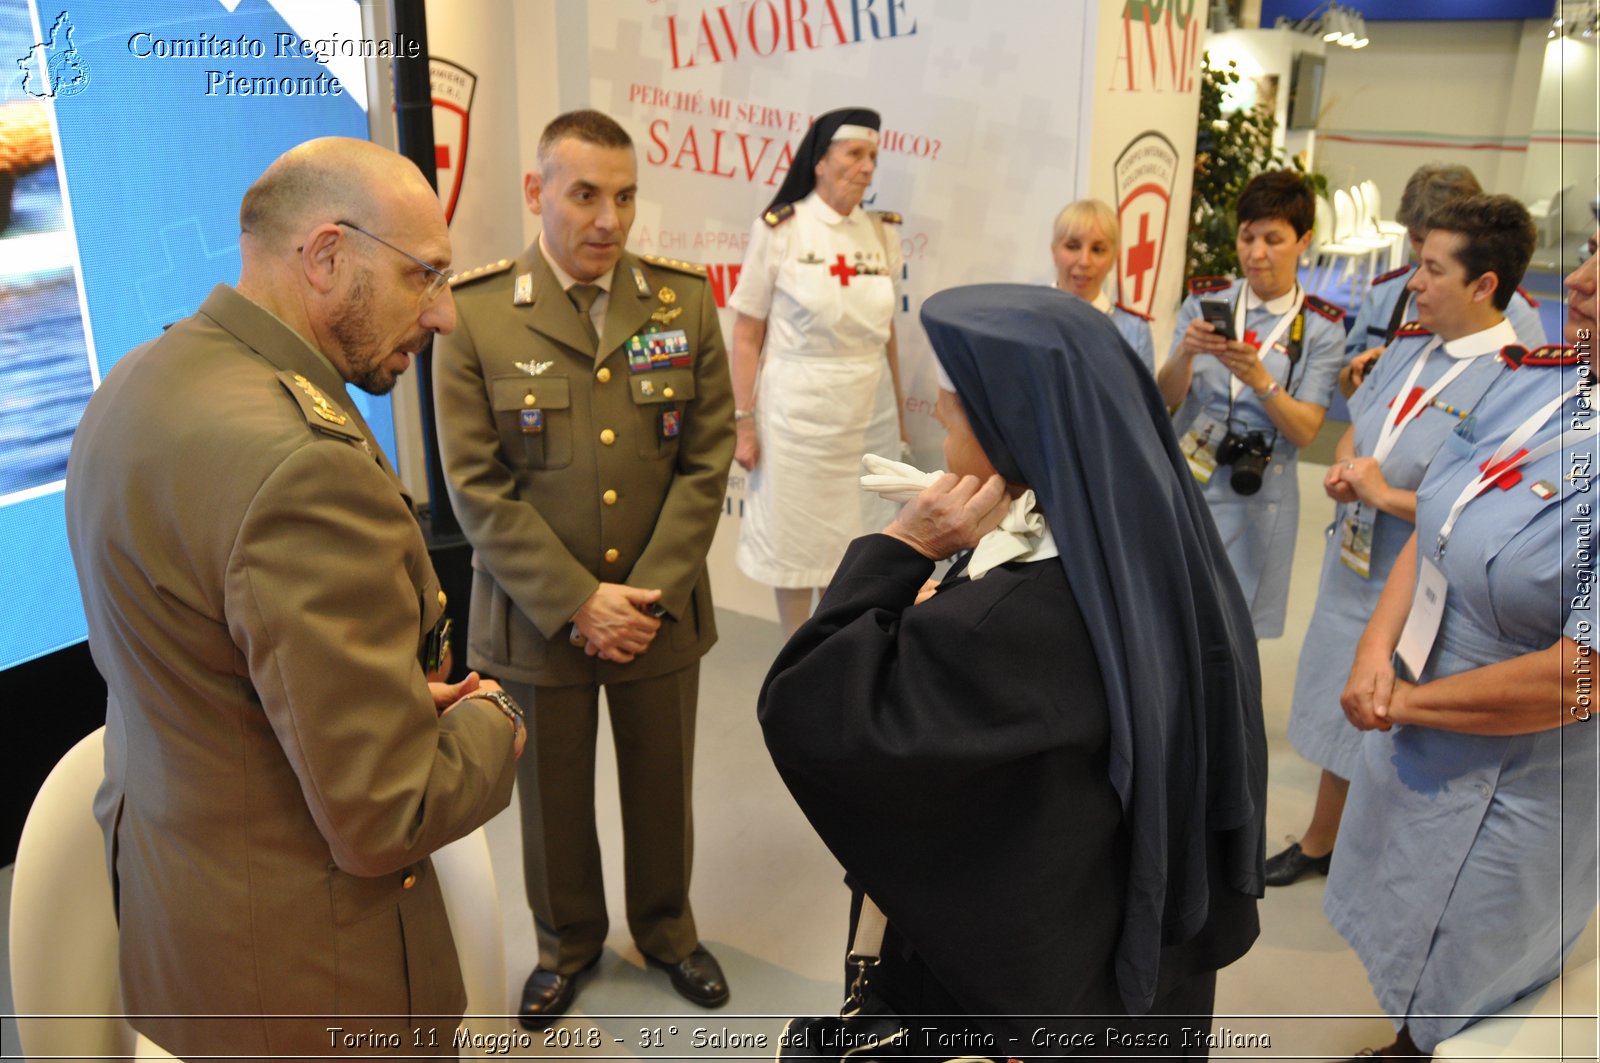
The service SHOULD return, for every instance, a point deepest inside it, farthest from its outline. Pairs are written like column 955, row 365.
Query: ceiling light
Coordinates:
column 1333, row 24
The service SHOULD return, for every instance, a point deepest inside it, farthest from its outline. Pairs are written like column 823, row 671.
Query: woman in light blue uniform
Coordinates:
column 1466, row 868
column 1264, row 393
column 1430, row 187
column 1084, row 245
column 1428, row 380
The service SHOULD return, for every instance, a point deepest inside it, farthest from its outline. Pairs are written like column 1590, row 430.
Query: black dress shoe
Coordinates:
column 697, row 977
column 547, row 995
column 1293, row 864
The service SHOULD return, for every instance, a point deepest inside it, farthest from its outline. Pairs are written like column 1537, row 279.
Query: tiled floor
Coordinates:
column 770, row 903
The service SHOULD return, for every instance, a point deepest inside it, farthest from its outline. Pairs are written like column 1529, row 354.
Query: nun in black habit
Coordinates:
column 1050, row 775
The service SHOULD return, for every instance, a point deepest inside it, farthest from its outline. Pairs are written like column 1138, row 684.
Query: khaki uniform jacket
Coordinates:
column 257, row 591
column 603, row 492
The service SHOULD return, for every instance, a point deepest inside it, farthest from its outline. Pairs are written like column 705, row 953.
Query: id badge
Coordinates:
column 1355, row 539
column 1199, row 446
column 1422, row 623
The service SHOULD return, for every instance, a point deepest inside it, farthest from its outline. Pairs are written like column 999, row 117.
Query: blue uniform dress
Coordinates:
column 1377, row 309
column 1465, row 869
column 1132, row 326
column 1259, row 530
column 1345, row 599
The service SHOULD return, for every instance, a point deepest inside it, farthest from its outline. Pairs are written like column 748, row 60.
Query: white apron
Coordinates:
column 824, row 396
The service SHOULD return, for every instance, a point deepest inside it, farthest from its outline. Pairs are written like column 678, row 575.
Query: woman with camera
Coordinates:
column 1423, row 387
column 1251, row 374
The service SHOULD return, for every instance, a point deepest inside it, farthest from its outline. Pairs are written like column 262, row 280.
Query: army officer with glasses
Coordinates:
column 259, row 596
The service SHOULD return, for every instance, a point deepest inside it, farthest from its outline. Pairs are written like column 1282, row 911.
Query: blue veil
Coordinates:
column 1059, row 402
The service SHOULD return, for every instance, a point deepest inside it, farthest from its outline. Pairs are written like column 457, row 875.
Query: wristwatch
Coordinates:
column 502, row 701
column 1270, row 390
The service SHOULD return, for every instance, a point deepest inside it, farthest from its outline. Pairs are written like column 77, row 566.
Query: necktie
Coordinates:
column 583, row 297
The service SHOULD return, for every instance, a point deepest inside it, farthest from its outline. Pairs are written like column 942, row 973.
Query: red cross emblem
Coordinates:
column 843, row 270
column 1141, row 258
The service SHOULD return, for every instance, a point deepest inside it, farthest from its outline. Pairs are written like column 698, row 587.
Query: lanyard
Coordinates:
column 1401, row 415
column 1234, row 383
column 1507, row 457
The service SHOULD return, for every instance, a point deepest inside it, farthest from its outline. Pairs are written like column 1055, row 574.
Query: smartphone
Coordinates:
column 437, row 645
column 1220, row 316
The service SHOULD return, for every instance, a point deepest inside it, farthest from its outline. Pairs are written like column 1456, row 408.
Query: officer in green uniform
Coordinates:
column 258, row 595
column 586, row 424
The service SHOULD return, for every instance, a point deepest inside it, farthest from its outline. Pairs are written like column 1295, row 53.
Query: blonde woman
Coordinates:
column 1085, row 245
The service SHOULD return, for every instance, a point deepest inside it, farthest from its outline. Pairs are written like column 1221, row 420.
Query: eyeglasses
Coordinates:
column 436, row 283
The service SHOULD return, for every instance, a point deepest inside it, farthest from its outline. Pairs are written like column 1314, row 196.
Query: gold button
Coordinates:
column 409, row 881
column 609, row 498
column 607, row 436
column 612, row 555
column 603, row 375
column 528, row 399
column 442, row 600
column 666, row 393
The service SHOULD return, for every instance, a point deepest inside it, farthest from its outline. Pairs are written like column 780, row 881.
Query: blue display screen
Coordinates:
column 1418, row 10
column 128, row 135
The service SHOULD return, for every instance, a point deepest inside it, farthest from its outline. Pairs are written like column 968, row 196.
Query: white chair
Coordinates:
column 63, row 930
column 1397, row 234
column 466, row 877
column 1326, row 248
column 1548, row 216
column 1555, row 1022
column 1347, row 228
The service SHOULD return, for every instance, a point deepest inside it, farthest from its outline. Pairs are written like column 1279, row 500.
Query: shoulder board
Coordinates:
column 1412, row 328
column 1392, row 274
column 694, row 269
column 1205, row 285
column 778, row 215
column 891, row 216
column 1135, row 313
column 1552, row 355
column 1325, row 308
column 477, row 273
column 320, row 411
column 1531, row 300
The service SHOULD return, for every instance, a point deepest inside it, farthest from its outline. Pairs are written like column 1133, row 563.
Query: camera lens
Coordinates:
column 1247, row 471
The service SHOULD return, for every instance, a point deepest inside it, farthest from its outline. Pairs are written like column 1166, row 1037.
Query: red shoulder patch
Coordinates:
column 1412, row 328
column 1392, row 274
column 1135, row 313
column 1552, row 355
column 1531, row 300
column 1206, row 285
column 1325, row 308
column 1513, row 355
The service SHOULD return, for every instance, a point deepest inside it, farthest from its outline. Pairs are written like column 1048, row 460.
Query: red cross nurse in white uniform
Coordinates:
column 815, row 376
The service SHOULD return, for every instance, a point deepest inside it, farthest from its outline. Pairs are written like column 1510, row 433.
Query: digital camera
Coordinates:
column 1248, row 453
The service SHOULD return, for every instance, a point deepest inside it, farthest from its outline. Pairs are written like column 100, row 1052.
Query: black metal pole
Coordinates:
column 413, row 105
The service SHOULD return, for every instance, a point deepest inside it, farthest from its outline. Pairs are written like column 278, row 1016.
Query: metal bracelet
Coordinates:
column 502, row 701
